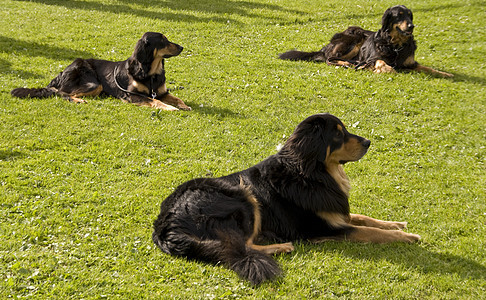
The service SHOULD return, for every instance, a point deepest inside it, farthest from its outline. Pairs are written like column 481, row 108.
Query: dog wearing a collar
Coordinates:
column 139, row 80
column 390, row 49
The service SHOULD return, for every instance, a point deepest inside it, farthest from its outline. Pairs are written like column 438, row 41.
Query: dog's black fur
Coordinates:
column 343, row 46
column 140, row 79
column 390, row 49
column 300, row 193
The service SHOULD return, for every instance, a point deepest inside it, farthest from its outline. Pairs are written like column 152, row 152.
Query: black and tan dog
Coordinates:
column 139, row 80
column 390, row 49
column 300, row 193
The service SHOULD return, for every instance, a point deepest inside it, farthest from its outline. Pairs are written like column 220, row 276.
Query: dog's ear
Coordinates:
column 142, row 57
column 144, row 50
column 386, row 20
column 307, row 146
column 136, row 69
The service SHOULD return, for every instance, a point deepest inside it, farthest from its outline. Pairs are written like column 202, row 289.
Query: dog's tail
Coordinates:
column 317, row 56
column 229, row 249
column 33, row 93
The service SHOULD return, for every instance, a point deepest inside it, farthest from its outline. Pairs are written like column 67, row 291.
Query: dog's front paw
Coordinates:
column 185, row 107
column 383, row 67
column 76, row 100
column 445, row 74
column 412, row 238
column 161, row 105
column 397, row 225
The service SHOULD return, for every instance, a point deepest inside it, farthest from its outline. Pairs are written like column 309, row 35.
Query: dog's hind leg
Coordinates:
column 77, row 80
column 257, row 219
column 336, row 61
column 92, row 91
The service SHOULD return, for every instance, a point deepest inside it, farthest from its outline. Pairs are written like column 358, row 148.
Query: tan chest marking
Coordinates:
column 142, row 88
column 162, row 89
column 156, row 66
column 337, row 172
column 410, row 61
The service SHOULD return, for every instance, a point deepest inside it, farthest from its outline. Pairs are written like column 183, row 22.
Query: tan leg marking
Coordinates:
column 339, row 63
column 368, row 230
column 363, row 234
column 380, row 236
column 94, row 92
column 429, row 70
column 154, row 103
column 273, row 248
column 257, row 217
column 382, row 67
column 174, row 101
column 257, row 223
column 77, row 100
column 360, row 220
column 161, row 105
column 353, row 52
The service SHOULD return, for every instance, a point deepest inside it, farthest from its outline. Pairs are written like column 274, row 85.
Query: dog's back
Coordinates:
column 343, row 45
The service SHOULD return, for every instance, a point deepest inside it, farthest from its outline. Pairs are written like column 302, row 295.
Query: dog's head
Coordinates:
column 398, row 22
column 153, row 46
column 322, row 140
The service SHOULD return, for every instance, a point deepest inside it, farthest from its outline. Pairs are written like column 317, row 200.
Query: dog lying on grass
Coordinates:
column 300, row 193
column 139, row 80
column 390, row 49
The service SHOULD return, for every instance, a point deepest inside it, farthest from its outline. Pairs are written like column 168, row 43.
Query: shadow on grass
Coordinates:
column 32, row 49
column 410, row 256
column 434, row 8
column 220, row 7
column 11, row 45
column 216, row 111
column 6, row 68
column 9, row 154
column 468, row 78
column 205, row 110
column 378, row 12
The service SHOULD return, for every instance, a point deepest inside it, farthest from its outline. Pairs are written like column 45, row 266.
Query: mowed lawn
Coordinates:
column 81, row 184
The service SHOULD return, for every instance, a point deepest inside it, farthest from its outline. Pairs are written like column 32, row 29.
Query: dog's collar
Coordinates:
column 153, row 93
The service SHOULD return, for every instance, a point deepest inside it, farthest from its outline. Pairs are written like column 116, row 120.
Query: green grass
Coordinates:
column 80, row 185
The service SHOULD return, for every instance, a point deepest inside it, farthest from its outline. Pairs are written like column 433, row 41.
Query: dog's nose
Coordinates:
column 410, row 26
column 366, row 143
